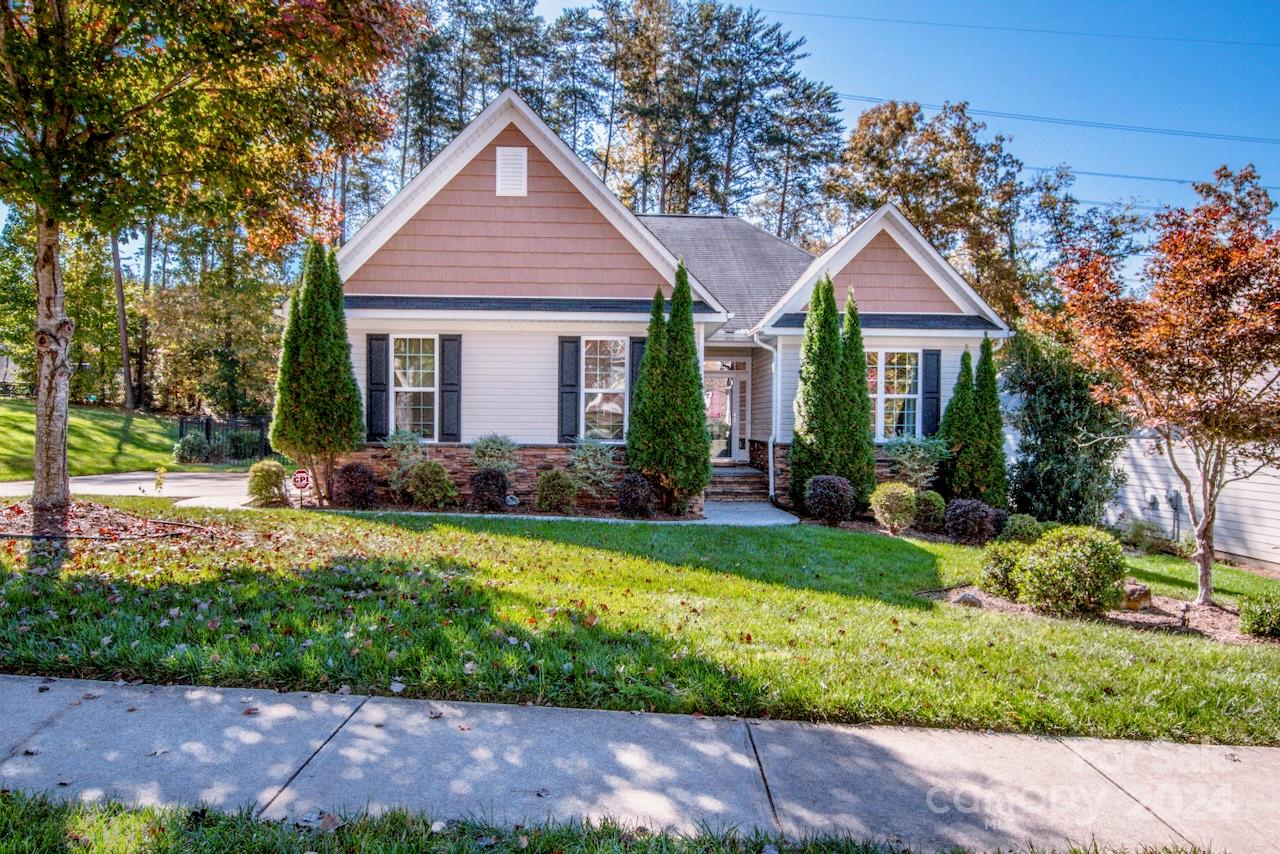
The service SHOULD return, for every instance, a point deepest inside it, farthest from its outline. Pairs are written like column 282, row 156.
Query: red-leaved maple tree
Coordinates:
column 1193, row 352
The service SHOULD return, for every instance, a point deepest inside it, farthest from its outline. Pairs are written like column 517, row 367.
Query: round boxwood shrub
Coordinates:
column 1260, row 615
column 191, row 448
column 1073, row 571
column 266, row 484
column 1001, row 563
column 931, row 511
column 556, row 491
column 969, row 521
column 894, row 506
column 1021, row 528
column 426, row 483
column 495, row 451
column 489, row 488
column 355, row 485
column 636, row 496
column 829, row 497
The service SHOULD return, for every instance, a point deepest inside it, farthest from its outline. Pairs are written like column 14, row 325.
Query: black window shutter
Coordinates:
column 377, row 363
column 931, row 386
column 637, row 353
column 450, row 388
column 570, row 347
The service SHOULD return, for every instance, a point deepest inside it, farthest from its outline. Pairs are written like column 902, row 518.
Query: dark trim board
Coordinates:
column 870, row 320
column 549, row 304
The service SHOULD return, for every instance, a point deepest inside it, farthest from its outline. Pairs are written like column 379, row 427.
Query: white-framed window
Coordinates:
column 604, row 389
column 414, row 403
column 893, row 381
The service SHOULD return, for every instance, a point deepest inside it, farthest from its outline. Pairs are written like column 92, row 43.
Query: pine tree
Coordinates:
column 991, row 479
column 318, row 413
column 813, row 449
column 857, row 447
column 646, row 434
column 686, row 469
column 959, row 428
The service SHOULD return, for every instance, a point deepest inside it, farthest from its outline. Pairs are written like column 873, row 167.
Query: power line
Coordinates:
column 1126, row 176
column 1098, row 34
column 1055, row 120
column 1121, row 204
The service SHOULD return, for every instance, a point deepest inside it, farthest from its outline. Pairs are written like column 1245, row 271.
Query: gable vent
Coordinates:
column 513, row 171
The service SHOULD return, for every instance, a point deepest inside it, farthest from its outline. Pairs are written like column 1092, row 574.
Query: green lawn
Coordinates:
column 99, row 441
column 802, row 622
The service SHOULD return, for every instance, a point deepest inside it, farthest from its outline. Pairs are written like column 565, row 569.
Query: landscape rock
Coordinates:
column 969, row 600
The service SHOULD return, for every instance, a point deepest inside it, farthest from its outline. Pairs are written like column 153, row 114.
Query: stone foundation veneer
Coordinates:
column 758, row 457
column 534, row 459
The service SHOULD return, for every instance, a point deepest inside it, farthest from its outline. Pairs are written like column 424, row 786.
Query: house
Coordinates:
column 506, row 289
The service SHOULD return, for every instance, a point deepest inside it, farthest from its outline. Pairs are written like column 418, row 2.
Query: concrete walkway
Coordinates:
column 290, row 754
column 223, row 490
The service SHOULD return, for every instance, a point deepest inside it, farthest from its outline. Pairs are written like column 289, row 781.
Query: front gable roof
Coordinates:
column 888, row 219
column 506, row 111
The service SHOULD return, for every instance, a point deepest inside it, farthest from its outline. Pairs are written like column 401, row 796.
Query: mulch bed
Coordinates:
column 1165, row 614
column 90, row 521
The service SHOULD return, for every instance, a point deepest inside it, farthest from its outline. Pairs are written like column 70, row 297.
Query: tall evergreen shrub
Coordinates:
column 856, row 449
column 959, row 428
column 814, row 449
column 318, row 414
column 991, row 478
column 686, row 468
column 645, row 431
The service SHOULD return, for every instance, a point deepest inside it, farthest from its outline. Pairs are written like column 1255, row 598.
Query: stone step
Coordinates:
column 738, row 483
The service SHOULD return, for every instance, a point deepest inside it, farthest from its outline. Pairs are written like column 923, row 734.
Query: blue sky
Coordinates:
column 1216, row 88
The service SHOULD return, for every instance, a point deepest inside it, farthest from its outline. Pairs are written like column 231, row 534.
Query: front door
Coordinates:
column 724, row 391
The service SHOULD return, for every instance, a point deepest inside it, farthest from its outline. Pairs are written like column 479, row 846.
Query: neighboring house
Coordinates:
column 505, row 289
column 1248, row 523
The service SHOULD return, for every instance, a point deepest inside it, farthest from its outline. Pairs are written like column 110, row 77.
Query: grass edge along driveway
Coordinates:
column 801, row 622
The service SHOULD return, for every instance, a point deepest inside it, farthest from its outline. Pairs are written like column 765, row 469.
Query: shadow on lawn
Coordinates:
column 1186, row 587
column 803, row 557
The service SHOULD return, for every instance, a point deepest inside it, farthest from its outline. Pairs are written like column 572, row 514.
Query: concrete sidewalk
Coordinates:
column 289, row 754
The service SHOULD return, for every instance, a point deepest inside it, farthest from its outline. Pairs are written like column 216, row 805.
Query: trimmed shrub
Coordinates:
column 999, row 518
column 191, row 448
column 636, row 496
column 931, row 511
column 1260, row 615
column 489, row 488
column 556, row 491
column 355, row 485
column 968, row 521
column 1073, row 571
column 894, row 505
column 915, row 460
column 495, row 452
column 1001, row 563
column 266, row 484
column 593, row 467
column 1021, row 528
column 829, row 497
column 426, row 483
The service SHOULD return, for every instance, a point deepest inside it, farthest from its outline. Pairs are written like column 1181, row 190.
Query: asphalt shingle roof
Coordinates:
column 745, row 268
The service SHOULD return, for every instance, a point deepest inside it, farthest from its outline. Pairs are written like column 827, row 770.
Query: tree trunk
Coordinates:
column 143, row 395
column 342, row 200
column 51, row 494
column 122, row 322
column 1203, row 559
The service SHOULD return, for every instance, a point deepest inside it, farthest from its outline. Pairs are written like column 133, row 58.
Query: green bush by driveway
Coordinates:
column 802, row 622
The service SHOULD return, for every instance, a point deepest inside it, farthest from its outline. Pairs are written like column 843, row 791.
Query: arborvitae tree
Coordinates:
column 857, row 449
column 991, row 480
column 686, row 470
column 960, row 429
column 646, row 433
column 318, row 413
column 814, row 447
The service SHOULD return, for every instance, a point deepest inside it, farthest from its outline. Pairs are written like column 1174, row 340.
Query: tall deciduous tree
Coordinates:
column 959, row 429
column 110, row 110
column 857, row 449
column 815, row 446
column 646, row 432
column 1195, row 355
column 686, row 468
column 318, row 413
column 991, row 477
